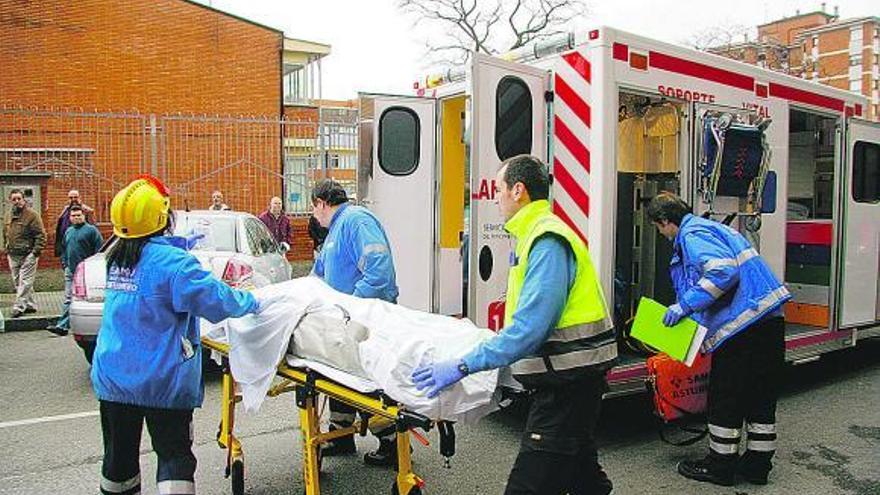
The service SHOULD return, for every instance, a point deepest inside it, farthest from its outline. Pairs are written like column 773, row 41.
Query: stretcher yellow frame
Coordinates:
column 307, row 385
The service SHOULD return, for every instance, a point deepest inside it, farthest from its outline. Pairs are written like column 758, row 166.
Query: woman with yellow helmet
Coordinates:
column 147, row 364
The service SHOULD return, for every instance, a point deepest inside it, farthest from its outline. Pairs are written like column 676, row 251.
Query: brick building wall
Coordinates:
column 161, row 56
column 140, row 65
column 785, row 31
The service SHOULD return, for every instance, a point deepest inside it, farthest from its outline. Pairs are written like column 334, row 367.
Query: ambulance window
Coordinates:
column 513, row 118
column 399, row 141
column 866, row 172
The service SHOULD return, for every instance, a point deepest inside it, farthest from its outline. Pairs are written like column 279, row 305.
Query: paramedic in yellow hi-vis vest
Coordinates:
column 557, row 339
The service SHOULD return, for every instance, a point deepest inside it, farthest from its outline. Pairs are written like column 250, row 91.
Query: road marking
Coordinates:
column 48, row 419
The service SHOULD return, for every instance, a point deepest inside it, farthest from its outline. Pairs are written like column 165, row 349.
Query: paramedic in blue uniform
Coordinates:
column 724, row 284
column 355, row 259
column 148, row 360
column 557, row 339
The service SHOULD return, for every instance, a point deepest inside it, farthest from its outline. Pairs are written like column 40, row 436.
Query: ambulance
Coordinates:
column 620, row 117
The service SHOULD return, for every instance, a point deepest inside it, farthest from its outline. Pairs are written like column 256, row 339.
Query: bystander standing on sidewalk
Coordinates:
column 81, row 240
column 25, row 239
column 277, row 221
column 217, row 203
column 73, row 198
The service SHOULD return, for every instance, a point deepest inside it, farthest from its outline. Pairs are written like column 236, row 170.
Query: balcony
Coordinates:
column 301, row 71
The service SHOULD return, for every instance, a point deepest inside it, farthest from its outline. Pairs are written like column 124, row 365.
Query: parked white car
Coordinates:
column 237, row 248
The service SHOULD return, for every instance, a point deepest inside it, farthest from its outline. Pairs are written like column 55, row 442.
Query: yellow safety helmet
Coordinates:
column 140, row 208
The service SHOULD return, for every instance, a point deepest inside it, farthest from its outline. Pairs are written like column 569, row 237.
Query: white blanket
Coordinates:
column 400, row 339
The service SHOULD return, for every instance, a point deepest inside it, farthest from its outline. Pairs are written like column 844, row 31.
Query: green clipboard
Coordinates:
column 681, row 341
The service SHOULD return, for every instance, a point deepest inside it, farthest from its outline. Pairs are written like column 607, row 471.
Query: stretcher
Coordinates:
column 376, row 410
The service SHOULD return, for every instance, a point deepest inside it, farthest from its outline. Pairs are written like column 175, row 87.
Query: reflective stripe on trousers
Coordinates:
column 723, row 440
column 761, row 437
column 176, row 487
column 130, row 486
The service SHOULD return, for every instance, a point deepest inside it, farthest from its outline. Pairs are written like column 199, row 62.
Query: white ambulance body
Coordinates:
column 619, row 118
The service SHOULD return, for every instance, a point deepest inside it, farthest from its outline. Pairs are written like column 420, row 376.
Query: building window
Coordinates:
column 297, row 189
column 855, row 40
column 855, row 85
column 866, row 172
column 399, row 134
column 513, row 118
column 855, row 60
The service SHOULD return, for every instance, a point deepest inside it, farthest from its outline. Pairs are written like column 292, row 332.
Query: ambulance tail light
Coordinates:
column 238, row 274
column 79, row 283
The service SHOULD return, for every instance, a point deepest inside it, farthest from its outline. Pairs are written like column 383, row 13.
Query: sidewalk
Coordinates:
column 48, row 310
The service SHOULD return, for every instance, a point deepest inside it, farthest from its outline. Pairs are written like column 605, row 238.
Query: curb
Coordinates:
column 30, row 323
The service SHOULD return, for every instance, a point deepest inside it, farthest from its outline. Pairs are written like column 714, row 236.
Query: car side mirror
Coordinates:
column 285, row 247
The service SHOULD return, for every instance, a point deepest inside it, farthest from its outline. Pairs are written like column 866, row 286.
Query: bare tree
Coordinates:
column 718, row 37
column 489, row 27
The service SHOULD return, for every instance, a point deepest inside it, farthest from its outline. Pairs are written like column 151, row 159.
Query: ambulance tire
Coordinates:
column 236, row 474
column 415, row 490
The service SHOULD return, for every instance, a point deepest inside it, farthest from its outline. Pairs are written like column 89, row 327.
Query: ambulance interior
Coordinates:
column 809, row 219
column 651, row 149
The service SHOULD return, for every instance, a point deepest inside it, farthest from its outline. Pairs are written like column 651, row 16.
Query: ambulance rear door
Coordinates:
column 509, row 118
column 859, row 299
column 396, row 181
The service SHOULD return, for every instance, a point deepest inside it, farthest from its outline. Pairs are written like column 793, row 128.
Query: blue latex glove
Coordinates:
column 437, row 376
column 193, row 240
column 673, row 315
column 185, row 242
column 265, row 302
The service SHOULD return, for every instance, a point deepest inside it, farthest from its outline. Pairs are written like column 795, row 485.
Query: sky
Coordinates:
column 375, row 48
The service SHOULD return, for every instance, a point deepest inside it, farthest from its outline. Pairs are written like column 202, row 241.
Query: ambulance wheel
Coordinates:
column 237, row 474
column 414, row 491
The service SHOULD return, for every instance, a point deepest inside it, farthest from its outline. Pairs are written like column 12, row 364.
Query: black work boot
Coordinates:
column 385, row 455
column 340, row 446
column 755, row 467
column 61, row 332
column 710, row 469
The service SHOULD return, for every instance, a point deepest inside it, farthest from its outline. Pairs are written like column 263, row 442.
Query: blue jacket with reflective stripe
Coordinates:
column 356, row 258
column 148, row 352
column 719, row 277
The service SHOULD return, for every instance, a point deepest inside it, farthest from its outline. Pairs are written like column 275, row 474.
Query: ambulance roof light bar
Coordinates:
column 528, row 53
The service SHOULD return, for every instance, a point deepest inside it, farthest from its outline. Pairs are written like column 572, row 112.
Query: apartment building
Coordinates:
column 819, row 46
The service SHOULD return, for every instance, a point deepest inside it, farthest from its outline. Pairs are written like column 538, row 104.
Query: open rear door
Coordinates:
column 859, row 291
column 397, row 184
column 509, row 118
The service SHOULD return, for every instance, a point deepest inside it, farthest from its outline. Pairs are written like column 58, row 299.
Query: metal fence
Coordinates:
column 248, row 159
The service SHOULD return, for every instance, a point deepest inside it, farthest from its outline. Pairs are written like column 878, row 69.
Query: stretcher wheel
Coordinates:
column 414, row 491
column 237, row 474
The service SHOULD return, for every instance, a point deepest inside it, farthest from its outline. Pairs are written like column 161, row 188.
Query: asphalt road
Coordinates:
column 50, row 437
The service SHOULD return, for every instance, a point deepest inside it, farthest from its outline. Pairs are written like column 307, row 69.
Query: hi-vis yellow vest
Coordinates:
column 583, row 336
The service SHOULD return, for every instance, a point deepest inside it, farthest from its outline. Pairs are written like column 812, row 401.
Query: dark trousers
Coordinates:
column 342, row 416
column 171, row 436
column 744, row 387
column 558, row 453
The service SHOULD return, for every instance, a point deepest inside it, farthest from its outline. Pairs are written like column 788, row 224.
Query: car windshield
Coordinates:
column 219, row 231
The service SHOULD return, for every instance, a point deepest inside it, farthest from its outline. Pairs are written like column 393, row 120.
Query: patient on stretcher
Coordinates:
column 365, row 344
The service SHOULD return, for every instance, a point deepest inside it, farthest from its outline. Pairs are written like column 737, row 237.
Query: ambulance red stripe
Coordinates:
column 570, row 141
column 702, row 71
column 565, row 218
column 678, row 65
column 574, row 102
column 578, row 195
column 579, row 64
column 799, row 95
